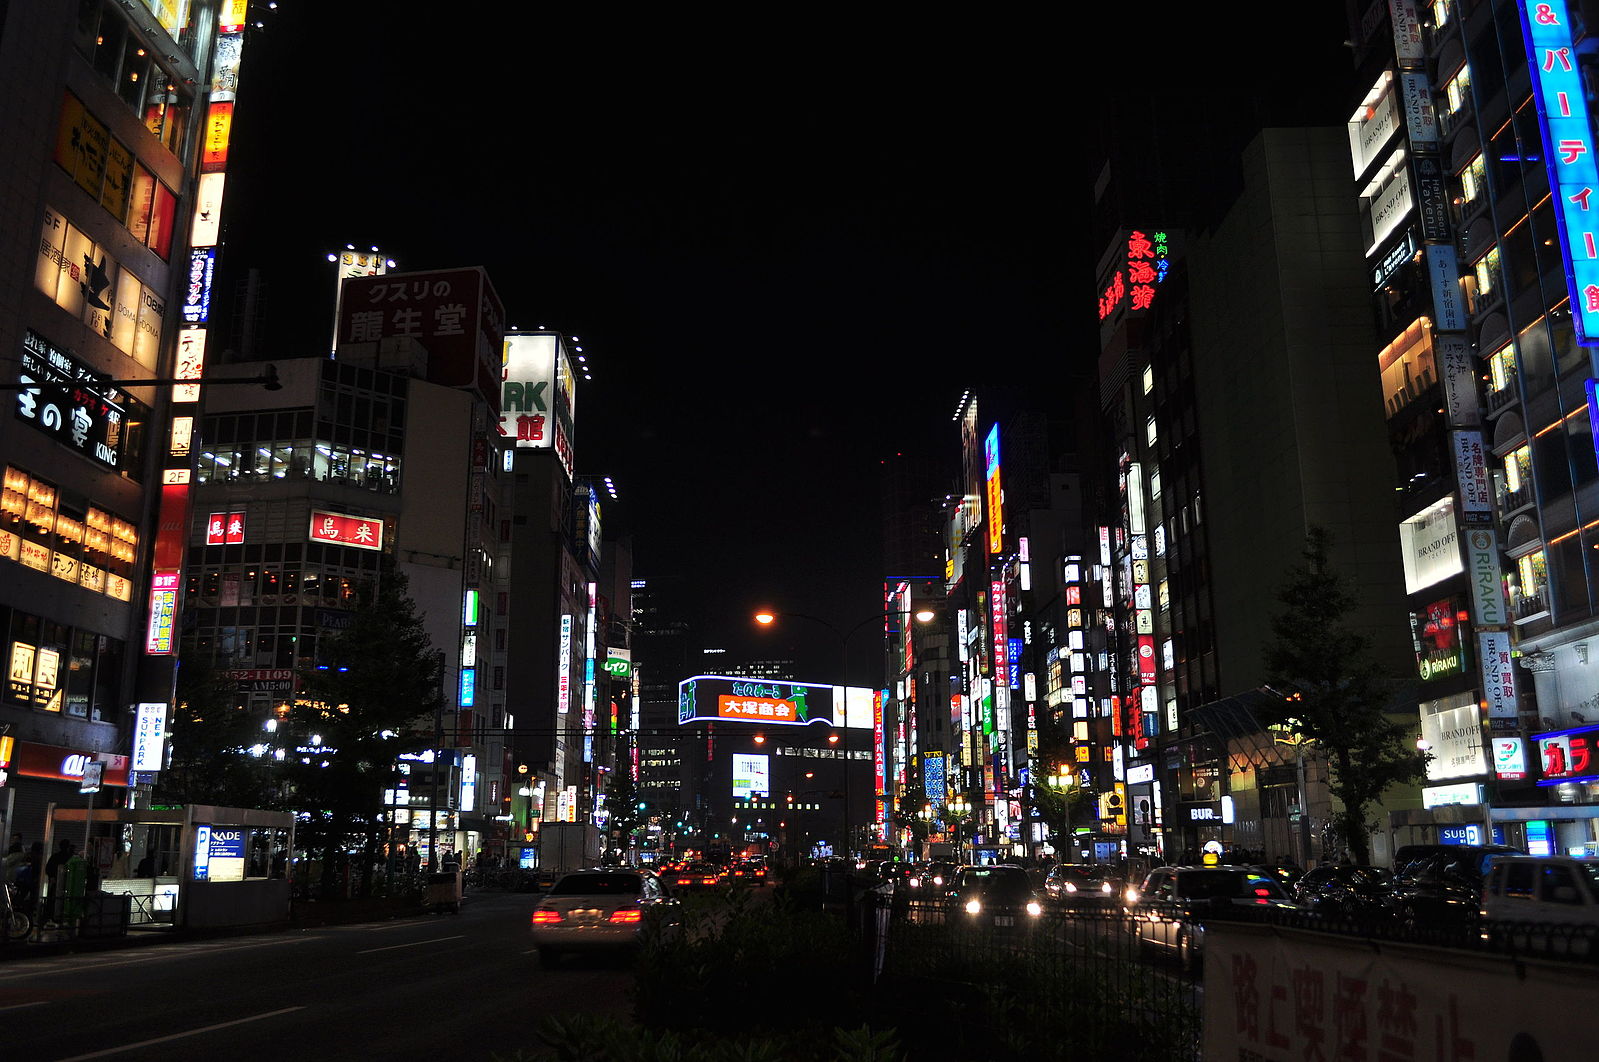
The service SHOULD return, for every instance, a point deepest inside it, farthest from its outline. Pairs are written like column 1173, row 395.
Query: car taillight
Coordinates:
column 546, row 918
column 626, row 916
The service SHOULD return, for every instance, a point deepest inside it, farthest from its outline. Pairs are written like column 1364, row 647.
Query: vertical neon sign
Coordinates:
column 1568, row 154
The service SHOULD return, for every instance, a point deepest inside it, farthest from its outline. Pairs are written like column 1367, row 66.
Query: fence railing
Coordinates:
column 1075, row 982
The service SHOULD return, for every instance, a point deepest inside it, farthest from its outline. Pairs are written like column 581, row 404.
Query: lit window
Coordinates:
column 1150, row 435
column 1149, row 378
column 1502, row 368
column 1487, row 273
column 1474, row 180
column 1457, row 92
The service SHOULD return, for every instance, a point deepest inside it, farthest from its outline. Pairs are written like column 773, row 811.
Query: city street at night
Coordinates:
column 436, row 986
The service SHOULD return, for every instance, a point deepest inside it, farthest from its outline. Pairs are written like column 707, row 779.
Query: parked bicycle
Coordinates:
column 15, row 925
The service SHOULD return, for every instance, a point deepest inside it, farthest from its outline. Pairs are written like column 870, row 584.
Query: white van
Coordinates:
column 1547, row 889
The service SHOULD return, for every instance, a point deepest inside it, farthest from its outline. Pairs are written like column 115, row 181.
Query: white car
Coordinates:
column 1544, row 889
column 598, row 910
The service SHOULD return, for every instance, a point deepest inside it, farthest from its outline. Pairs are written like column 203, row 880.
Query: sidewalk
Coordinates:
column 311, row 914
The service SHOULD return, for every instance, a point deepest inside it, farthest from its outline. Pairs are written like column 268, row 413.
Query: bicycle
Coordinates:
column 15, row 925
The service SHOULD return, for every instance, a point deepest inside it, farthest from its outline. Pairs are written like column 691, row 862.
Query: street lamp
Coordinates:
column 768, row 617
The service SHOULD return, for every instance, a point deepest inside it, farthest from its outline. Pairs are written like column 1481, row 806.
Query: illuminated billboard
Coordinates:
column 751, row 776
column 727, row 698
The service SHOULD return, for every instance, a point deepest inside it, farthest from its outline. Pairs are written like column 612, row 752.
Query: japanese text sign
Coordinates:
column 361, row 532
column 1568, row 154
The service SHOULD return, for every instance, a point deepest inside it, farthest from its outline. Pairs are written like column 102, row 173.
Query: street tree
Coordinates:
column 215, row 743
column 1335, row 697
column 374, row 694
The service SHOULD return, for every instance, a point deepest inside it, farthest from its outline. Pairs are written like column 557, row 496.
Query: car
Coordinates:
column 598, row 910
column 1287, row 874
column 996, row 897
column 1169, row 909
column 1561, row 890
column 1083, row 884
column 695, row 876
column 1440, row 886
column 1345, row 890
column 934, row 877
column 752, row 872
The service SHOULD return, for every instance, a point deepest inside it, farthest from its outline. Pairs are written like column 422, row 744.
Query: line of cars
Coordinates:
column 1432, row 886
column 613, row 908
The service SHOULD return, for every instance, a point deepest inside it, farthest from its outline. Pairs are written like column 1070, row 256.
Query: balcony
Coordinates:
column 1503, row 397
column 1529, row 606
column 1512, row 501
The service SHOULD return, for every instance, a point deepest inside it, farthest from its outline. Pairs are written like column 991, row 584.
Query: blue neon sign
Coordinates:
column 1568, row 154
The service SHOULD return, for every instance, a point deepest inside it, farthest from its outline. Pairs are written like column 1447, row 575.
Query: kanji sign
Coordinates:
column 361, row 532
column 1568, row 153
column 1569, row 755
column 224, row 529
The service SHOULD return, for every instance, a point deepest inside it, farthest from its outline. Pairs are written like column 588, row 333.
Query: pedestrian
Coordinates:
column 63, row 853
column 27, row 877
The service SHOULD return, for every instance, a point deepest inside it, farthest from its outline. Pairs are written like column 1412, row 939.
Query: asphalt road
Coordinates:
column 443, row 987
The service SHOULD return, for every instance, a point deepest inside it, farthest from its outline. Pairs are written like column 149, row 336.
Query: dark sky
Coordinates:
column 787, row 246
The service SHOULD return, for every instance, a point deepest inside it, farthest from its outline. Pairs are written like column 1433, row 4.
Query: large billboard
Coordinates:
column 751, row 776
column 454, row 314
column 728, row 698
column 538, row 393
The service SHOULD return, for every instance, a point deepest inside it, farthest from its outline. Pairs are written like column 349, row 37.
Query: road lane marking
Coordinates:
column 415, row 943
column 179, row 1036
column 19, row 1006
column 29, row 968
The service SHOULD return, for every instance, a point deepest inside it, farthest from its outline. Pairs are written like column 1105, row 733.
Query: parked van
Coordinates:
column 1548, row 889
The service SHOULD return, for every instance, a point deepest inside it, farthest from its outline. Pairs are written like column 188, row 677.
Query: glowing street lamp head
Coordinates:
column 925, row 615
column 765, row 618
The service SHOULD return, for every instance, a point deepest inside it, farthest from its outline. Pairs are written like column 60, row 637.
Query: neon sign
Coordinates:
column 1568, row 154
column 1148, row 262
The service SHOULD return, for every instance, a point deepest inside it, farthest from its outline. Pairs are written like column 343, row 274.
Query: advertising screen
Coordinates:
column 751, row 776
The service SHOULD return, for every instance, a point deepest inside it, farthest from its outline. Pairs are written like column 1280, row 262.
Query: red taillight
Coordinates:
column 626, row 916
column 546, row 918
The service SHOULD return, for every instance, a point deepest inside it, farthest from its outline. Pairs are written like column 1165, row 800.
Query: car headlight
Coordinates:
column 973, row 907
column 1132, row 895
column 1107, row 887
column 916, row 883
column 1070, row 887
column 1034, row 909
column 937, row 881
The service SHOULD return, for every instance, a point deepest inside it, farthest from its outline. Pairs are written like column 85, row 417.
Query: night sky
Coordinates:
column 787, row 247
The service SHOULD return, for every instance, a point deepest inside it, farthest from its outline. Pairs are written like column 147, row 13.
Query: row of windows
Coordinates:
column 322, row 461
column 151, row 90
column 85, row 546
column 56, row 668
column 106, row 168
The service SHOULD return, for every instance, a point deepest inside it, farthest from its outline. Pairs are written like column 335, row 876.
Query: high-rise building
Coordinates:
column 116, row 149
column 1472, row 153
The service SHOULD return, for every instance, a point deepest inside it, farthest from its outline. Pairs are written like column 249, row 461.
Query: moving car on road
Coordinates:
column 695, row 876
column 995, row 897
column 598, row 909
column 1083, row 884
column 1168, row 910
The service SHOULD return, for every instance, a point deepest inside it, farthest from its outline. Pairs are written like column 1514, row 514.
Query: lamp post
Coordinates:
column 767, row 617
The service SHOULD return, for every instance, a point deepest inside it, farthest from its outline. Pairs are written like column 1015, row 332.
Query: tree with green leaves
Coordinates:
column 374, row 695
column 216, row 743
column 1335, row 697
